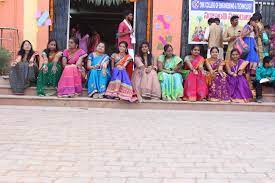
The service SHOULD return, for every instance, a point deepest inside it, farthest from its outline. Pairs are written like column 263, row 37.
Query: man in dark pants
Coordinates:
column 265, row 71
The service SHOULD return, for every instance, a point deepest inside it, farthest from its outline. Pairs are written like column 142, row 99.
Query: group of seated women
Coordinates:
column 166, row 77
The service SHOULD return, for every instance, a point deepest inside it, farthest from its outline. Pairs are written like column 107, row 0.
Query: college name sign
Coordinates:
column 232, row 6
column 201, row 10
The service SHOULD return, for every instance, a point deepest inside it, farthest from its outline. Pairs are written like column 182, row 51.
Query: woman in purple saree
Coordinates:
column 218, row 89
column 238, row 85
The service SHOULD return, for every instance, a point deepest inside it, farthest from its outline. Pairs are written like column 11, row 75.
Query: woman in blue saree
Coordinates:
column 99, row 75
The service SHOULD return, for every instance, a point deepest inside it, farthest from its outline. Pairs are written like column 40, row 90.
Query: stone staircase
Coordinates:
column 30, row 99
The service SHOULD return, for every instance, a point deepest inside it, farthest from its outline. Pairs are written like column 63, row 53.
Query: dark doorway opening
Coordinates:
column 103, row 19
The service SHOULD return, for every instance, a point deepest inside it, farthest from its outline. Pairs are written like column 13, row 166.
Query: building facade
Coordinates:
column 157, row 21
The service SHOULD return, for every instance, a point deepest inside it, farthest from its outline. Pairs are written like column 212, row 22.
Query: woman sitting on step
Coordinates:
column 170, row 75
column 24, row 69
column 120, row 86
column 238, row 85
column 145, row 77
column 70, row 83
column 50, row 70
column 99, row 75
column 195, row 86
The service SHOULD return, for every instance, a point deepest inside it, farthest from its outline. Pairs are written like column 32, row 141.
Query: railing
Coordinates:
column 267, row 9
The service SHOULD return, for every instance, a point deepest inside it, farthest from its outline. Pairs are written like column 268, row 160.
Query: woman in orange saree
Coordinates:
column 195, row 86
column 120, row 85
column 217, row 78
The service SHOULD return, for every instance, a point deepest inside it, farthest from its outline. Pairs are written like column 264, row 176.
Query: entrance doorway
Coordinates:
column 103, row 21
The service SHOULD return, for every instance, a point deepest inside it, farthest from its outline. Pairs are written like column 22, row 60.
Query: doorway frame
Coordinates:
column 61, row 22
column 69, row 20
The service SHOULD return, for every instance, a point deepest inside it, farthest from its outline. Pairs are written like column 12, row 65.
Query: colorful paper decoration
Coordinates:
column 43, row 18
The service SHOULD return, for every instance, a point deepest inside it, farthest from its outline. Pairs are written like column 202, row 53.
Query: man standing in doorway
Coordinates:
column 214, row 37
column 231, row 34
column 126, row 32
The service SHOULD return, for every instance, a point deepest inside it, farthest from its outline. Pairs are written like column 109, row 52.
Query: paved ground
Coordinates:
column 135, row 146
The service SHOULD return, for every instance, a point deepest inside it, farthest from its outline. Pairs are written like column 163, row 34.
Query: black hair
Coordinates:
column 126, row 45
column 214, row 47
column 165, row 48
column 75, row 40
column 235, row 50
column 211, row 20
column 194, row 46
column 47, row 50
column 101, row 42
column 83, row 30
column 258, row 16
column 217, row 20
column 149, row 55
column 127, row 12
column 22, row 52
column 266, row 60
column 267, row 27
column 253, row 18
column 234, row 17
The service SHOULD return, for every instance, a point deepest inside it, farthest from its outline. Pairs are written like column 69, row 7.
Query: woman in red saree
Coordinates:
column 195, row 86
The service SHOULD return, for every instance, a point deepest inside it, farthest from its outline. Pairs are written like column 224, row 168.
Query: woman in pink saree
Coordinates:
column 70, row 83
column 195, row 86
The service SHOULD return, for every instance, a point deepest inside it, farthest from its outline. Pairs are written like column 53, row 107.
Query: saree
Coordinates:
column 98, row 78
column 195, row 86
column 218, row 89
column 22, row 76
column 171, row 84
column 120, row 85
column 238, row 86
column 70, row 82
column 146, row 84
column 48, row 79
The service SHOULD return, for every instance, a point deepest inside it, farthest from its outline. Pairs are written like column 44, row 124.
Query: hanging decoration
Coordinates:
column 43, row 18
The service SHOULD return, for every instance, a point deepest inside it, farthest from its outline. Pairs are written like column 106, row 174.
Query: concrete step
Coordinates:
column 4, row 80
column 85, row 102
column 31, row 91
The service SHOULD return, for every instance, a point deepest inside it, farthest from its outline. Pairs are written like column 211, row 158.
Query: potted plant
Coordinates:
column 5, row 57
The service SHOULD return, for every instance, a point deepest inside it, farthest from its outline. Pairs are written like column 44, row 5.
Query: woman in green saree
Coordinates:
column 169, row 75
column 50, row 71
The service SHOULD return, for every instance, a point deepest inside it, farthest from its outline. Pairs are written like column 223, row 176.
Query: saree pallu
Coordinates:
column 70, row 82
column 238, row 86
column 22, row 76
column 146, row 84
column 48, row 79
column 217, row 85
column 171, row 85
column 98, row 80
column 120, row 86
column 195, row 86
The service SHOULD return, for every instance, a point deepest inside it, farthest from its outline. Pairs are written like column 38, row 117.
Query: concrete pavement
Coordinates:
column 71, row 145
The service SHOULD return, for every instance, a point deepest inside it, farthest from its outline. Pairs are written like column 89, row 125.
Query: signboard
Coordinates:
column 201, row 10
